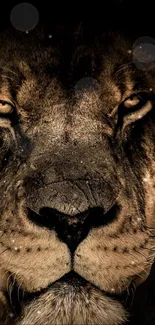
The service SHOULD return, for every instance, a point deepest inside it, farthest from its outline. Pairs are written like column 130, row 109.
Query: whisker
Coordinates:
column 123, row 67
column 10, row 78
column 133, row 295
column 149, row 233
column 149, row 249
column 150, row 227
column 12, row 286
column 9, row 290
column 18, row 291
column 127, row 297
column 9, row 70
column 4, row 251
column 141, row 253
column 145, row 262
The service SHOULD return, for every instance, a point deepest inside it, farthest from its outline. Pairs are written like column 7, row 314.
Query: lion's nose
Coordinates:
column 72, row 229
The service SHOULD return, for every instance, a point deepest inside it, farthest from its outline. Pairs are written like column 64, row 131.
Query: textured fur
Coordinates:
column 75, row 150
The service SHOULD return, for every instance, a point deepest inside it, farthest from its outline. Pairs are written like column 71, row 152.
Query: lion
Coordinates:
column 77, row 178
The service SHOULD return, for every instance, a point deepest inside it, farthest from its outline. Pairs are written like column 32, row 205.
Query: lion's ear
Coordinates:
column 134, row 108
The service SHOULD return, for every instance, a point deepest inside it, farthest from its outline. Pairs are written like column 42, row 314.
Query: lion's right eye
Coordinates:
column 6, row 107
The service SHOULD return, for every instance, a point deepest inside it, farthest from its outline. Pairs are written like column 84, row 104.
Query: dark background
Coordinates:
column 133, row 17
column 130, row 15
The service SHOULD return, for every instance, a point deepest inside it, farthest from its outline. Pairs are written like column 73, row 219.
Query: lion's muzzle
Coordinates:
column 71, row 207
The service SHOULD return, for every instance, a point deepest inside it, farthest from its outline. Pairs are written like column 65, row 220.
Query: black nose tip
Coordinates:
column 72, row 229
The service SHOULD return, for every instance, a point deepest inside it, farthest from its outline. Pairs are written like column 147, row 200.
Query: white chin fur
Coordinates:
column 68, row 304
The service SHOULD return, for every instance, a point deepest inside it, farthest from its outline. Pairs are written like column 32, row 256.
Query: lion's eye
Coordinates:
column 133, row 108
column 6, row 107
column 132, row 101
column 135, row 102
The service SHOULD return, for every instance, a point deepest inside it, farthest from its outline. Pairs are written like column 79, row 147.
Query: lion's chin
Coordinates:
column 75, row 302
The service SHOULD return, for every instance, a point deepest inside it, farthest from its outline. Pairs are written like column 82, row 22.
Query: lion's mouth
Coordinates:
column 19, row 297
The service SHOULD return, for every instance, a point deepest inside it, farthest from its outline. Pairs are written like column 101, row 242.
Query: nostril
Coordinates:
column 41, row 219
column 98, row 217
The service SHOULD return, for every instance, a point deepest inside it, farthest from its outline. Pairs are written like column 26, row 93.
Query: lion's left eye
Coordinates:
column 6, row 107
column 132, row 101
column 133, row 108
column 135, row 101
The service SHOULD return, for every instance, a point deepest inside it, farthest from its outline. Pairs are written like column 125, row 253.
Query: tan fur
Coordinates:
column 68, row 140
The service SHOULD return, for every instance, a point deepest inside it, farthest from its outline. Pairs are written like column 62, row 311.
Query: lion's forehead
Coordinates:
column 44, row 102
column 73, row 101
column 96, row 88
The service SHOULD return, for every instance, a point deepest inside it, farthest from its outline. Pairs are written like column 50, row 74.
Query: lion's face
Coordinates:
column 77, row 181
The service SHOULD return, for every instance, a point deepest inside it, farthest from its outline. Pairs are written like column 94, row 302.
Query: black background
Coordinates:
column 133, row 16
